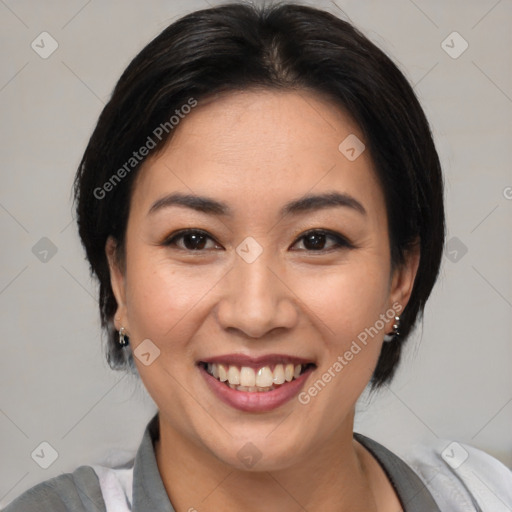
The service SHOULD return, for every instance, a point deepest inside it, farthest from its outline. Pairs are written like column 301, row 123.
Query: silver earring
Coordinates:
column 394, row 333
column 123, row 339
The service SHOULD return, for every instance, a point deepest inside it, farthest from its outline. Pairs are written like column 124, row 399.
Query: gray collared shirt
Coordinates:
column 80, row 491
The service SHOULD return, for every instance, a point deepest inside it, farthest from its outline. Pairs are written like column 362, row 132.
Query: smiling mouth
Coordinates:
column 254, row 380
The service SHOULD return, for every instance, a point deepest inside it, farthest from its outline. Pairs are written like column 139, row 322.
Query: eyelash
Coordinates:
column 340, row 241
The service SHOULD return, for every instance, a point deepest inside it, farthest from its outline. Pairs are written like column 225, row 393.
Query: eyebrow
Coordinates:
column 327, row 200
column 307, row 203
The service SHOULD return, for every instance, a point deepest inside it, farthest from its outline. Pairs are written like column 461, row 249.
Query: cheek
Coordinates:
column 160, row 296
column 348, row 302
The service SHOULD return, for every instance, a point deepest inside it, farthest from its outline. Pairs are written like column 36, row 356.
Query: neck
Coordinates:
column 334, row 477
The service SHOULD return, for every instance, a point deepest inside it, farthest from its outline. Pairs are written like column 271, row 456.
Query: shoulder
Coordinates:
column 459, row 475
column 70, row 492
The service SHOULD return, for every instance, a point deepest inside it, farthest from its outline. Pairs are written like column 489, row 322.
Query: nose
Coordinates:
column 256, row 300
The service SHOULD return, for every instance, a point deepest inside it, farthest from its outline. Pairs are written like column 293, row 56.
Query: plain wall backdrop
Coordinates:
column 455, row 381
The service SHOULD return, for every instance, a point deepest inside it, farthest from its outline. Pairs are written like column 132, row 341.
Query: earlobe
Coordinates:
column 117, row 281
column 404, row 276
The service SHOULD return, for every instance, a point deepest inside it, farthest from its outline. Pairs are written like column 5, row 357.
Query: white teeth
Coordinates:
column 288, row 372
column 223, row 374
column 234, row 375
column 278, row 374
column 247, row 377
column 264, row 377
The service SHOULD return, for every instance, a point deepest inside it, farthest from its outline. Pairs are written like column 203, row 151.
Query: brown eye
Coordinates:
column 191, row 240
column 315, row 241
column 318, row 239
column 194, row 241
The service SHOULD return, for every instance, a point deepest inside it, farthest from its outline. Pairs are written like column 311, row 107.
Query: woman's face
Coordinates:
column 285, row 274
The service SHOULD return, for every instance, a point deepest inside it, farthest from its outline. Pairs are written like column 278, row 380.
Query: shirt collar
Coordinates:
column 412, row 492
column 148, row 489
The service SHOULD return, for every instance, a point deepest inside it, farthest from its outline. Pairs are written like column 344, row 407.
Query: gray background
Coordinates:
column 455, row 381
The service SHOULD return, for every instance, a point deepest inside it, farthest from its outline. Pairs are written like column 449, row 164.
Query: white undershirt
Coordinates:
column 116, row 487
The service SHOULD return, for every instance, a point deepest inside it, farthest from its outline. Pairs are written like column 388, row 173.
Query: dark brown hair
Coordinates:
column 281, row 46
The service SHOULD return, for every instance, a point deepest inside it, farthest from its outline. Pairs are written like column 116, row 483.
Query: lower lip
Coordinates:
column 257, row 401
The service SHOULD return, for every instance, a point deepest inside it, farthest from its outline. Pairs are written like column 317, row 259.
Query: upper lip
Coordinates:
column 255, row 362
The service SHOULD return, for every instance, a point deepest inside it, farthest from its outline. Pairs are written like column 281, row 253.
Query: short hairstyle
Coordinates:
column 283, row 46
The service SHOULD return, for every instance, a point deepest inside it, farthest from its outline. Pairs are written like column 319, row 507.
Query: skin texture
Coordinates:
column 257, row 150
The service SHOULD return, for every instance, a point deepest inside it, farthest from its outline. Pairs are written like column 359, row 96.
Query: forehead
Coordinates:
column 260, row 144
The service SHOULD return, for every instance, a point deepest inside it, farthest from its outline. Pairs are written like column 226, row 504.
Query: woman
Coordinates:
column 262, row 203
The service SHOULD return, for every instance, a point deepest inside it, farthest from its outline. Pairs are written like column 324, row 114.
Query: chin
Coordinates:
column 257, row 451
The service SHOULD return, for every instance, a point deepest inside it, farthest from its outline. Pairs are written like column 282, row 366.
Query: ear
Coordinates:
column 402, row 281
column 117, row 281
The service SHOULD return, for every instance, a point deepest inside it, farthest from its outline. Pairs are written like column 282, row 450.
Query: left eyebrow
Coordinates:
column 316, row 202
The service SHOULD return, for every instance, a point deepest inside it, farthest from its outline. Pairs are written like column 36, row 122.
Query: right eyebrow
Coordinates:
column 199, row 203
